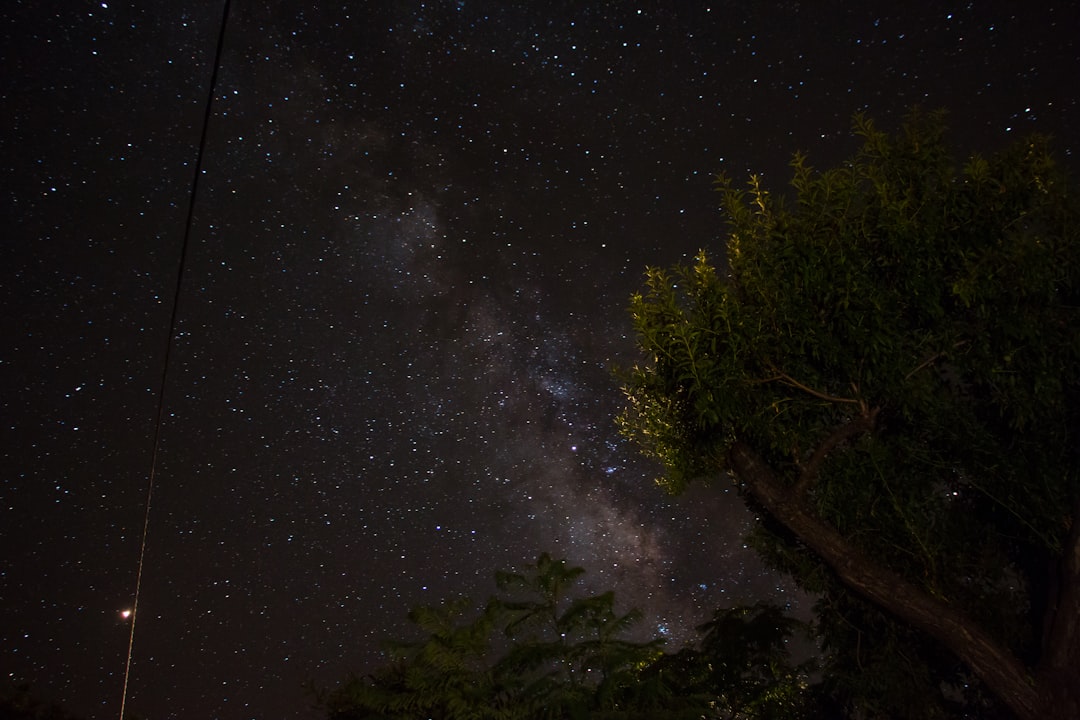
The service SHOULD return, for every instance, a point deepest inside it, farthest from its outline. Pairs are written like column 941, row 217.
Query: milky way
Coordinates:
column 403, row 301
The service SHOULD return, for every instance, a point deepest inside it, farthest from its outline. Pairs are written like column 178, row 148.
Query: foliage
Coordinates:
column 537, row 652
column 561, row 656
column 898, row 343
column 567, row 655
column 18, row 702
column 742, row 667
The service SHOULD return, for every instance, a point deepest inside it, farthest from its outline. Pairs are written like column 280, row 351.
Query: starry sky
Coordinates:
column 416, row 230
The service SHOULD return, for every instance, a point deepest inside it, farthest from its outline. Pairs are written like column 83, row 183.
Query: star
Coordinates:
column 401, row 305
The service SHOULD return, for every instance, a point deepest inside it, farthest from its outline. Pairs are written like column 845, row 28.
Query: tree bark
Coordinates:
column 1059, row 667
column 1031, row 696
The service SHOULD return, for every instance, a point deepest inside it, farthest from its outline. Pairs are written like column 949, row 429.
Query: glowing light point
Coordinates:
column 125, row 614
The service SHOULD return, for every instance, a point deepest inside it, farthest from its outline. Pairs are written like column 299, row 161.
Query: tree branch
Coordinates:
column 925, row 363
column 808, row 473
column 1001, row 671
column 1061, row 652
column 788, row 380
column 933, row 359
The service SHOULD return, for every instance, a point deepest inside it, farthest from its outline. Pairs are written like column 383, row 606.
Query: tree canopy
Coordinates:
column 540, row 651
column 888, row 365
column 18, row 702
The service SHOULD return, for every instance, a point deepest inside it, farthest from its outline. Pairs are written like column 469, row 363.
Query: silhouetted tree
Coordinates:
column 740, row 668
column 889, row 368
column 18, row 702
column 539, row 652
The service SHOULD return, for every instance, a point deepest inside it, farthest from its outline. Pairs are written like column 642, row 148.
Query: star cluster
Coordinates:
column 416, row 229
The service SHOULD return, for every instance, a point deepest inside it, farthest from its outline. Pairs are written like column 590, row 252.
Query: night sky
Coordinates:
column 416, row 231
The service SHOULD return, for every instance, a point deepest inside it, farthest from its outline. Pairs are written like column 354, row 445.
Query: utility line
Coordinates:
column 168, row 351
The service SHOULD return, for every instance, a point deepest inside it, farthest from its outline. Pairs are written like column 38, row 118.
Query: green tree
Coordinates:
column 740, row 669
column 539, row 651
column 445, row 676
column 889, row 368
column 569, row 656
column 535, row 652
column 18, row 702
column 749, row 662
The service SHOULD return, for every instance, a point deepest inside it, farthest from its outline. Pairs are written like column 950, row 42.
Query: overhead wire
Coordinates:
column 174, row 314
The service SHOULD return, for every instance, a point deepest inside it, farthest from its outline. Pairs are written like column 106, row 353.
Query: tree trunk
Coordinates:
column 1059, row 668
column 1050, row 693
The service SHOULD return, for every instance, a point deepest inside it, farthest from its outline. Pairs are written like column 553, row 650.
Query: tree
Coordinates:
column 538, row 652
column 740, row 669
column 444, row 676
column 568, row 657
column 889, row 368
column 18, row 702
column 535, row 652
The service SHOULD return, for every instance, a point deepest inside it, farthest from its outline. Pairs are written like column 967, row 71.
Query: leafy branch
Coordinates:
column 808, row 474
